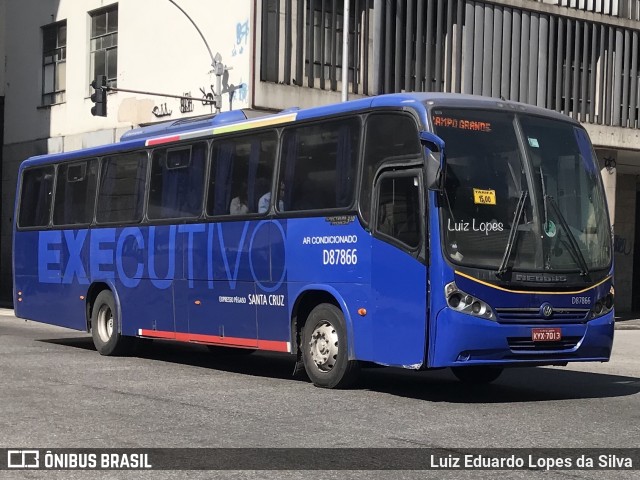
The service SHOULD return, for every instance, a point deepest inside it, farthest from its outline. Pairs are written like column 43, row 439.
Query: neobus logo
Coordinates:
column 540, row 278
column 132, row 253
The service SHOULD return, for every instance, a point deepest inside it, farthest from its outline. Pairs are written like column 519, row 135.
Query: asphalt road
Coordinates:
column 56, row 391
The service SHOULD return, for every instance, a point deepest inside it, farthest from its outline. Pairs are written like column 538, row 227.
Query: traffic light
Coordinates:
column 99, row 96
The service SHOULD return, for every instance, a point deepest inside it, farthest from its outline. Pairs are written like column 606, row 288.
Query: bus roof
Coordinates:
column 239, row 120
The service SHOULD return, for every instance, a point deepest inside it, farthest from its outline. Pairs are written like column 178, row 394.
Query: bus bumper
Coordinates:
column 459, row 340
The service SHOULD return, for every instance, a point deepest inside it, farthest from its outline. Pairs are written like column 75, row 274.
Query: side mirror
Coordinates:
column 436, row 160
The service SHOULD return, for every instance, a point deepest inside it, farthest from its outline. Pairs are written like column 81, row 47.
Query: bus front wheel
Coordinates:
column 105, row 327
column 325, row 349
column 477, row 375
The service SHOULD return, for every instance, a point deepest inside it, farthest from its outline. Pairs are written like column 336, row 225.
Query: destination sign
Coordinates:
column 461, row 124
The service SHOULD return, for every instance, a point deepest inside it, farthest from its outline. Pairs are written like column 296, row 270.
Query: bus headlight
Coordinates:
column 603, row 306
column 463, row 302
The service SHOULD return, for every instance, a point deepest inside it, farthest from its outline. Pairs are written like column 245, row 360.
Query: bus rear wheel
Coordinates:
column 325, row 349
column 477, row 375
column 105, row 327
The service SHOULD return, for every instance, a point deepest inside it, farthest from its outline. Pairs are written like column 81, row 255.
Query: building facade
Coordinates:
column 3, row 38
column 578, row 57
column 55, row 48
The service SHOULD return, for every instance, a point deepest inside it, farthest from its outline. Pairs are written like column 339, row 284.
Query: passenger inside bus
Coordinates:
column 238, row 204
column 265, row 200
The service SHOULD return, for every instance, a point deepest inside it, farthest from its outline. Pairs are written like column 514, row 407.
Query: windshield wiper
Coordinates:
column 512, row 234
column 575, row 248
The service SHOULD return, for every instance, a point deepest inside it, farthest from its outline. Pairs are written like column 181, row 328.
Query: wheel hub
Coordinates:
column 324, row 346
column 105, row 324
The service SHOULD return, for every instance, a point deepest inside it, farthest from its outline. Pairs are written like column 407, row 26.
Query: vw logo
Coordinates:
column 546, row 310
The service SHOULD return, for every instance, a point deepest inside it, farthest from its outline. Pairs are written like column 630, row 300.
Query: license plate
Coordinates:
column 546, row 334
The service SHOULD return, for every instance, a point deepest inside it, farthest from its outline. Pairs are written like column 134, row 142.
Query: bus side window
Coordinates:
column 390, row 138
column 35, row 197
column 177, row 182
column 121, row 192
column 319, row 165
column 75, row 193
column 398, row 209
column 241, row 173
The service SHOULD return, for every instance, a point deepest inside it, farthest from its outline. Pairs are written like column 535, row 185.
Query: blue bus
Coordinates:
column 412, row 230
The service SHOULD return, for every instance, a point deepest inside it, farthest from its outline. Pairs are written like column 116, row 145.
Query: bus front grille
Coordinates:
column 525, row 344
column 532, row 315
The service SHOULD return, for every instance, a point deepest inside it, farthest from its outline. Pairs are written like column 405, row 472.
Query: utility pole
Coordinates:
column 345, row 51
column 218, row 68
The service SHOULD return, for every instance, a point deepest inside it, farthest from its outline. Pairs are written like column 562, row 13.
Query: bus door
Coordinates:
column 398, row 268
column 272, row 299
column 220, row 291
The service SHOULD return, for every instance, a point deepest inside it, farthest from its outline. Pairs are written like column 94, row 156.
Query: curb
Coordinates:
column 627, row 326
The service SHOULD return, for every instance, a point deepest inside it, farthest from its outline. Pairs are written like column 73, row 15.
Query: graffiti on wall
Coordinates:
column 242, row 37
column 620, row 245
column 208, row 98
column 238, row 91
column 161, row 110
column 186, row 104
column 242, row 91
column 234, row 91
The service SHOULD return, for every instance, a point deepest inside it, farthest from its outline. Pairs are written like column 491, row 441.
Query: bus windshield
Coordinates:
column 522, row 193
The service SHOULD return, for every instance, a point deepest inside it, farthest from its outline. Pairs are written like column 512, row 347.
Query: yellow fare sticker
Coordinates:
column 484, row 197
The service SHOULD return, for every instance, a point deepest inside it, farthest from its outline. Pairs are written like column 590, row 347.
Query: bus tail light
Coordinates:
column 463, row 302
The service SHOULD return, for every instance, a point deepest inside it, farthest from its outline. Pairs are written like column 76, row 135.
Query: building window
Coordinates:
column 104, row 44
column 54, row 63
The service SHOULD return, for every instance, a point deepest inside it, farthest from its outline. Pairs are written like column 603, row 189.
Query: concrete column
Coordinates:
column 624, row 239
column 609, row 176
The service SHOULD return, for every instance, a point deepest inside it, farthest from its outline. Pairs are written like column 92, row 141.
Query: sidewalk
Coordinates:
column 628, row 321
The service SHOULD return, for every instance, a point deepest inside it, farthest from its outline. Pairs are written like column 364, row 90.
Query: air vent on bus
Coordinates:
column 525, row 344
column 532, row 315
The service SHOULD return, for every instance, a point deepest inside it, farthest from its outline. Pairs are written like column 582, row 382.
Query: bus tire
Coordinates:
column 325, row 351
column 477, row 375
column 105, row 327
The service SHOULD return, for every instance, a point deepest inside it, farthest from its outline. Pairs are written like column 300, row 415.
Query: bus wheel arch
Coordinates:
column 320, row 333
column 92, row 293
column 306, row 301
column 104, row 321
